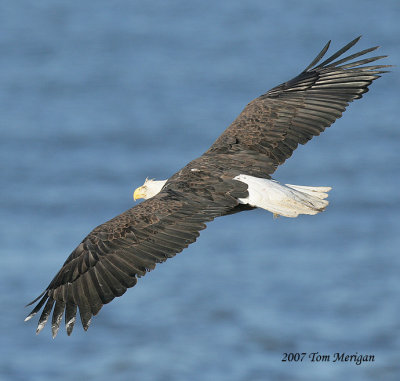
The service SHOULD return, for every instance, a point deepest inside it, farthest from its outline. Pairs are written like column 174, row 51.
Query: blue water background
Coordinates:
column 96, row 96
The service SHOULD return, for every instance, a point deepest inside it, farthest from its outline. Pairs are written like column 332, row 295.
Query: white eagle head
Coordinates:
column 149, row 189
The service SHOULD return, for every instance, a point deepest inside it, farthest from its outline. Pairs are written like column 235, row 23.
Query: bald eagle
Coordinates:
column 233, row 175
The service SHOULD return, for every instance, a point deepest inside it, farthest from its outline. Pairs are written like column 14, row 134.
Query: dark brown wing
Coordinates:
column 270, row 127
column 111, row 258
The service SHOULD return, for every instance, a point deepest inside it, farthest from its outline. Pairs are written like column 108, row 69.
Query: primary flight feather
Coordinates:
column 232, row 176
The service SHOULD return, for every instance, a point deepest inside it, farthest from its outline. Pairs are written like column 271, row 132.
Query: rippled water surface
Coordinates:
column 96, row 96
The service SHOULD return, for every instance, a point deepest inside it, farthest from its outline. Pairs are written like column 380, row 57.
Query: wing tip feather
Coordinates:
column 331, row 60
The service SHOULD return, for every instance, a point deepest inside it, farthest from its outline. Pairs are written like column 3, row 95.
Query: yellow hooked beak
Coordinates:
column 139, row 193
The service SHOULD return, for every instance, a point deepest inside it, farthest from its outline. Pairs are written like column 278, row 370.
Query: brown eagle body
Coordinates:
column 111, row 258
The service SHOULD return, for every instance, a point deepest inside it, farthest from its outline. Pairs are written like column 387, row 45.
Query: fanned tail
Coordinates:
column 284, row 200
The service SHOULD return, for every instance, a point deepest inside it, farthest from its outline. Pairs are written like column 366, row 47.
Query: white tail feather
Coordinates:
column 285, row 200
column 320, row 192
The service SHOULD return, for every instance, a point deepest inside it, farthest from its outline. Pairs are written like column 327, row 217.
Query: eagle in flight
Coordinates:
column 233, row 175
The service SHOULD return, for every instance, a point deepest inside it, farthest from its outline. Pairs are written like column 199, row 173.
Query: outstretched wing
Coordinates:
column 270, row 127
column 111, row 258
